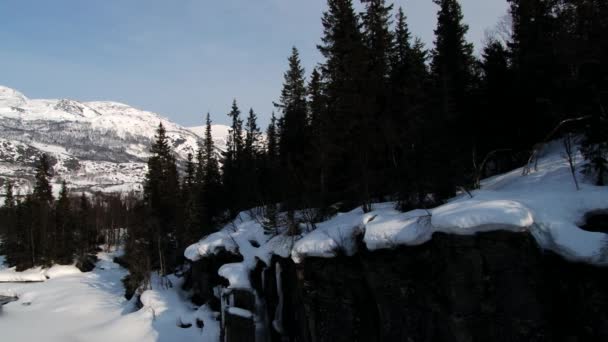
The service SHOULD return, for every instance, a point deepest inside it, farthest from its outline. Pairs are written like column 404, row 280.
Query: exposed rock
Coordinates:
column 238, row 327
column 495, row 286
column 87, row 263
column 203, row 277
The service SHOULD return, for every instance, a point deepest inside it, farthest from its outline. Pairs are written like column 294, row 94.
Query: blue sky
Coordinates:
column 179, row 58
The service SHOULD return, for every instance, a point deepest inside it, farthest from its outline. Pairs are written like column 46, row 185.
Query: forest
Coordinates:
column 381, row 118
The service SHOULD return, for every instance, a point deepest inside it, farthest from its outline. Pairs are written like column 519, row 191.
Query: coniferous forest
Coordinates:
column 381, row 118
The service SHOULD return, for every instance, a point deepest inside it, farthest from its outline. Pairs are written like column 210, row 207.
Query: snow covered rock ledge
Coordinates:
column 473, row 216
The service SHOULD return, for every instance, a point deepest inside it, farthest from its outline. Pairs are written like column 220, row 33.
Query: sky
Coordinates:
column 180, row 58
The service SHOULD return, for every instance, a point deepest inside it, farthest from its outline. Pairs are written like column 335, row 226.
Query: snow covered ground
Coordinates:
column 545, row 203
column 75, row 306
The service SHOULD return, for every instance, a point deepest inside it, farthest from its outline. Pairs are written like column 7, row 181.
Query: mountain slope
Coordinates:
column 94, row 146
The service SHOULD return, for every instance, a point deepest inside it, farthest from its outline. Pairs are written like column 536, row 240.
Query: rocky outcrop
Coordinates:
column 203, row 277
column 495, row 286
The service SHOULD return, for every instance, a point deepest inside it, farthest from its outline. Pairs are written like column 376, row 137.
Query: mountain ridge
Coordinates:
column 94, row 146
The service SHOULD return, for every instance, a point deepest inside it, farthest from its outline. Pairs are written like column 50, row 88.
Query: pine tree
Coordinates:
column 401, row 47
column 252, row 135
column 85, row 239
column 453, row 76
column 409, row 87
column 495, row 121
column 8, row 224
column 212, row 181
column 190, row 174
column 64, row 238
column 452, row 60
column 193, row 210
column 344, row 72
column 294, row 136
column 251, row 158
column 536, row 67
column 375, row 123
column 42, row 229
column 377, row 37
column 270, row 175
column 232, row 163
column 319, row 140
column 163, row 204
column 42, row 189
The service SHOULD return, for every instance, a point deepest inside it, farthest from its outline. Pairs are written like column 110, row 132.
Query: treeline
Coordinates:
column 383, row 118
column 40, row 230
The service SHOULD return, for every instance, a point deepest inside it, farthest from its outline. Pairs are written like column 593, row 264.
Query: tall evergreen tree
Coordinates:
column 64, row 243
column 8, row 224
column 42, row 188
column 251, row 161
column 319, row 136
column 294, row 138
column 452, row 69
column 495, row 122
column 193, row 211
column 344, row 73
column 409, row 87
column 212, row 180
column 270, row 175
column 41, row 227
column 163, row 205
column 375, row 123
column 233, row 162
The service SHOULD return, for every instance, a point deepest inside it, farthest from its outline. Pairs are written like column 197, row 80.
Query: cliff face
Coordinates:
column 495, row 286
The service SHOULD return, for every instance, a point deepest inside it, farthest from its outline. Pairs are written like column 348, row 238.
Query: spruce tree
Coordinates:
column 64, row 237
column 42, row 188
column 212, row 181
column 42, row 226
column 294, row 137
column 453, row 76
column 161, row 197
column 8, row 224
column 409, row 87
column 270, row 181
column 319, row 140
column 232, row 163
column 85, row 240
column 190, row 174
column 536, row 67
column 193, row 210
column 495, row 120
column 251, row 158
column 344, row 72
column 375, row 123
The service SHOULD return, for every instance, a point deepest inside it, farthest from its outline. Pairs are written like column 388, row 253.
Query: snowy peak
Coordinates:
column 11, row 98
column 94, row 146
column 75, row 108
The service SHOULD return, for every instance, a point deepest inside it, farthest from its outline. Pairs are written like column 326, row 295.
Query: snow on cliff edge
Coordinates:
column 544, row 203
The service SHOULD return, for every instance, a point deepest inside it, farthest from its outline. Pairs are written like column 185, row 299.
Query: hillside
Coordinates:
column 94, row 146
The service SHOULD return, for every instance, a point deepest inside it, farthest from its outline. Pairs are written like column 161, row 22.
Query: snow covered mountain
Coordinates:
column 94, row 146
